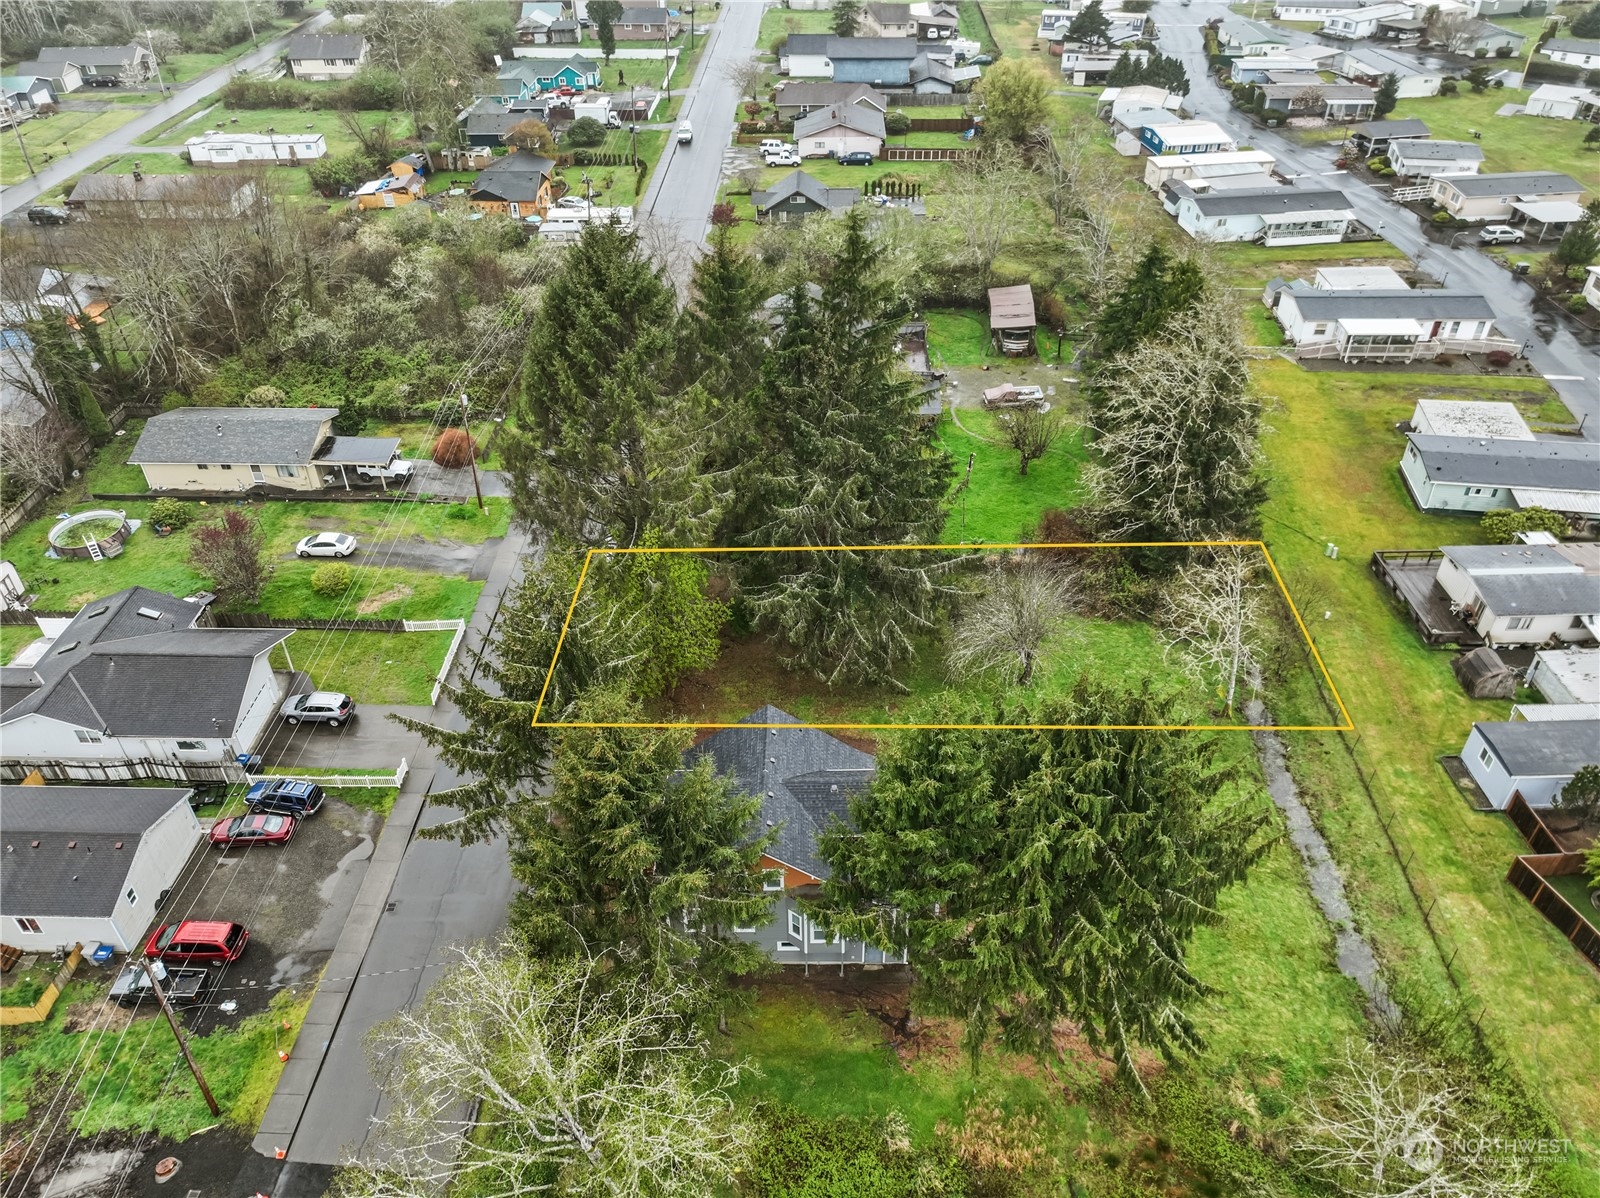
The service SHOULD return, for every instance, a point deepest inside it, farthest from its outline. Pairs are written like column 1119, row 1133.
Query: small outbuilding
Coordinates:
column 1483, row 675
column 1012, row 321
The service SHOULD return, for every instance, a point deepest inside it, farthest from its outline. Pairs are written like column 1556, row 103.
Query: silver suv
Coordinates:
column 1498, row 234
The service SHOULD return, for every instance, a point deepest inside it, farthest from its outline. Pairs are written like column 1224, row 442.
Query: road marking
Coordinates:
column 1564, row 378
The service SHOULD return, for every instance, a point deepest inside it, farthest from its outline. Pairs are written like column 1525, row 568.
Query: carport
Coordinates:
column 1012, row 320
column 1548, row 213
column 371, row 453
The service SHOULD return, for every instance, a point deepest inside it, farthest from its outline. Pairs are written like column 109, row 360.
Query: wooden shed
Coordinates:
column 1483, row 675
column 1012, row 320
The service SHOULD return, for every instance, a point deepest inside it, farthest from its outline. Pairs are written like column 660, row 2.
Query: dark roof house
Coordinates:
column 233, row 435
column 1265, row 201
column 515, row 179
column 1542, row 748
column 799, row 195
column 799, row 96
column 1381, row 304
column 103, row 60
column 1502, row 462
column 331, row 47
column 1517, row 183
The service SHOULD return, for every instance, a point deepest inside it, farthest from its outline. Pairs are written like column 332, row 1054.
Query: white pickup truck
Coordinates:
column 685, row 133
column 396, row 473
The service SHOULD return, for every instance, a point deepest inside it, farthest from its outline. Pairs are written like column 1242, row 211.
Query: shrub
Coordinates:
column 586, row 131
column 1502, row 51
column 1502, row 527
column 1498, row 358
column 265, row 396
column 461, row 511
column 1448, row 88
column 172, row 400
column 1577, row 304
column 897, row 122
column 454, row 449
column 332, row 579
column 172, row 512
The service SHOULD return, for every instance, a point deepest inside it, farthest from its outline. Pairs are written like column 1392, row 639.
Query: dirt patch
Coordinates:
column 376, row 602
column 83, row 599
column 97, row 1014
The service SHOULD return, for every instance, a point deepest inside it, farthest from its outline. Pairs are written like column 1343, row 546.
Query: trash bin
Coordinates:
column 102, row 954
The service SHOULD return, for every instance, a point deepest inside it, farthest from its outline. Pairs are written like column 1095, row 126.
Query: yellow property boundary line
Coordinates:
column 1347, row 725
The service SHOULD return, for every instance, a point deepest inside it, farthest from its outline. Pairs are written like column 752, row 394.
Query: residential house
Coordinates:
column 62, row 78
column 90, row 865
column 1089, row 67
column 880, row 61
column 1256, row 165
column 1425, row 159
column 935, row 21
column 805, row 56
column 1114, row 101
column 1469, row 418
column 646, row 25
column 1572, row 52
column 1479, row 474
column 1260, row 68
column 216, row 147
column 1311, row 215
column 1532, row 758
column 163, row 197
column 1498, row 196
column 22, row 96
column 887, row 20
column 132, row 62
column 535, row 19
column 1563, row 103
column 1375, row 137
column 21, row 384
column 485, row 122
column 529, row 78
column 1566, row 677
column 1312, row 10
column 1357, row 278
column 1380, row 325
column 518, row 186
column 936, row 75
column 136, row 687
column 1591, row 286
column 76, row 296
column 805, row 779
column 795, row 98
column 1512, row 595
column 565, row 32
column 1330, row 101
column 320, row 57
column 1186, row 137
column 1240, row 37
column 405, row 182
column 1012, row 320
column 1053, row 23
column 234, row 449
column 1357, row 23
column 840, row 129
column 1491, row 39
column 798, row 195
column 1369, row 64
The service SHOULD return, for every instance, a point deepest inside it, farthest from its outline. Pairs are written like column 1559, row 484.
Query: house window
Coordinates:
column 819, row 934
column 87, row 736
column 26, row 924
column 1318, row 330
column 797, row 924
column 797, row 199
column 1519, row 623
column 131, row 895
column 820, row 145
column 772, row 880
column 287, row 471
column 201, row 466
column 191, row 746
column 787, row 946
column 225, row 466
column 1486, row 757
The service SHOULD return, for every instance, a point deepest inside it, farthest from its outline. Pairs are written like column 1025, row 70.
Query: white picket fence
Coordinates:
column 459, row 627
column 395, row 779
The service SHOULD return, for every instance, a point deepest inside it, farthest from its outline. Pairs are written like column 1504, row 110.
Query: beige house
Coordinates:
column 319, row 58
column 234, row 449
column 1497, row 196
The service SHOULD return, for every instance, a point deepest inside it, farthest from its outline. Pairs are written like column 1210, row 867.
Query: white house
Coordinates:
column 1425, row 159
column 1521, row 594
column 1382, row 325
column 840, row 129
column 1185, row 137
column 1369, row 64
column 321, row 57
column 1533, row 758
column 1161, row 169
column 1269, row 215
column 1563, row 103
column 135, row 687
column 1469, row 418
column 216, row 147
column 1573, row 52
column 89, row 864
column 1357, row 23
column 1357, row 278
column 1239, row 37
column 1566, row 676
column 1478, row 474
column 1259, row 68
column 1497, row 196
column 1591, row 286
column 1312, row 10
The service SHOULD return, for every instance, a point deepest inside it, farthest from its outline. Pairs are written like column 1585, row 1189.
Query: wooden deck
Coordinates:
column 1410, row 576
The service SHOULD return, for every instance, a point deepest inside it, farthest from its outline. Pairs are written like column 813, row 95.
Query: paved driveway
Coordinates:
column 370, row 741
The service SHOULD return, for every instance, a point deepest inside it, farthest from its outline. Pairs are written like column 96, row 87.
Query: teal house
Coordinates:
column 527, row 78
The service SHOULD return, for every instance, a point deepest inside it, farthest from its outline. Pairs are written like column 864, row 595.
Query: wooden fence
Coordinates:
column 1528, row 874
column 918, row 100
column 941, row 124
column 247, row 619
column 923, row 154
column 11, row 1016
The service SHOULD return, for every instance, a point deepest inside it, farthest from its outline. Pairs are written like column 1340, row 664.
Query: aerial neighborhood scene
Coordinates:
column 800, row 598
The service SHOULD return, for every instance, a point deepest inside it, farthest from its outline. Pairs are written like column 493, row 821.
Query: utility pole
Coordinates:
column 472, row 453
column 183, row 1045
column 23, row 147
column 151, row 38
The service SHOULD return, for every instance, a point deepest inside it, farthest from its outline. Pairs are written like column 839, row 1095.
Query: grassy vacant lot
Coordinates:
column 1254, row 265
column 1510, row 143
column 47, row 138
column 371, row 667
column 181, row 68
column 1333, row 458
column 780, row 22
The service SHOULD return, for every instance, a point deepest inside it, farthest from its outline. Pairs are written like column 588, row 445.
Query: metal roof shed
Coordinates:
column 1012, row 319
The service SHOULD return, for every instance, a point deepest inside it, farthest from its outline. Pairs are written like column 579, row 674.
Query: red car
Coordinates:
column 252, row 829
column 198, row 941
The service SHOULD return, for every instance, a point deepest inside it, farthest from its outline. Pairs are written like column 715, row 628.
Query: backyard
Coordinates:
column 1510, row 143
column 371, row 667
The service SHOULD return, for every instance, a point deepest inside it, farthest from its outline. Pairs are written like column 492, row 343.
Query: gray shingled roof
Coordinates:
column 90, row 56
column 815, row 95
column 137, row 611
column 1540, row 595
column 1392, row 305
column 807, row 43
column 831, row 198
column 273, row 436
column 858, row 118
column 103, row 823
column 644, row 16
column 1392, row 130
column 1543, row 748
column 326, row 47
column 1566, row 45
column 1269, row 201
column 1498, row 462
column 853, row 48
column 803, row 776
column 515, row 178
column 1508, row 558
column 1515, row 183
column 1436, row 151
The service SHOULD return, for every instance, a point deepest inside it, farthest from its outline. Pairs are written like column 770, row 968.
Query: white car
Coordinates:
column 1495, row 234
column 572, row 202
column 398, row 471
column 327, row 544
column 783, row 157
column 685, row 133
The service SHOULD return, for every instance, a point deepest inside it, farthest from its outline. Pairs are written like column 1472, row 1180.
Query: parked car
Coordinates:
column 572, row 202
column 771, row 145
column 285, row 796
column 327, row 544
column 253, row 829
column 398, row 471
column 318, row 707
column 685, row 133
column 183, row 987
column 198, row 941
column 102, row 81
column 979, row 60
column 784, row 157
column 856, row 158
column 1498, row 234
column 44, row 214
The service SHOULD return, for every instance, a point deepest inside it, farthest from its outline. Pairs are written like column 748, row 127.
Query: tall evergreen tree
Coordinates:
column 603, row 450
column 722, row 336
column 1034, row 876
column 68, row 370
column 632, row 852
column 1157, row 288
column 1091, row 26
column 843, row 461
column 1387, row 95
column 1123, row 73
column 846, row 18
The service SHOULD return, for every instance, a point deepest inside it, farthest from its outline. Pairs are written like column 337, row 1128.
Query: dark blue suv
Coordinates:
column 285, row 797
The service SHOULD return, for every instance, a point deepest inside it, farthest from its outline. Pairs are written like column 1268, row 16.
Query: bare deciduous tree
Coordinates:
column 988, row 201
column 747, row 75
column 1455, row 31
column 35, row 453
column 1026, row 602
column 1390, row 1126
column 1031, row 432
column 515, row 1076
column 1214, row 612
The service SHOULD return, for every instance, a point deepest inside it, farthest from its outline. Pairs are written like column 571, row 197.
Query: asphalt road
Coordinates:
column 1570, row 366
column 684, row 186
column 120, row 141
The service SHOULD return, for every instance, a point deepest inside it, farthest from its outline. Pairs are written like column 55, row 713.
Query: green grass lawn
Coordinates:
column 1333, row 456
column 1519, row 143
column 1001, row 503
column 780, row 22
column 1260, row 327
column 14, row 638
column 48, row 138
column 1254, row 265
column 283, row 120
column 960, row 337
column 1576, row 890
column 181, row 68
column 371, row 667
